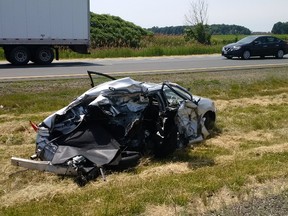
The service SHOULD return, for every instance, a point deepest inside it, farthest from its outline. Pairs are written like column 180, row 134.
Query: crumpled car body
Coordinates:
column 117, row 122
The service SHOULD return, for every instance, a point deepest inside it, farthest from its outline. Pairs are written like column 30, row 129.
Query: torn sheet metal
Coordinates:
column 116, row 122
column 187, row 121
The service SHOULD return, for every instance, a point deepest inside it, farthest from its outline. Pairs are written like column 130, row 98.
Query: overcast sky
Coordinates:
column 257, row 15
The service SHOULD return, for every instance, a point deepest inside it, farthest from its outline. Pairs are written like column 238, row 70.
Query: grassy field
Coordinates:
column 245, row 158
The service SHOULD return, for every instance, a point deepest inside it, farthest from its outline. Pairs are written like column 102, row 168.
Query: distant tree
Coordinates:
column 112, row 31
column 215, row 29
column 168, row 30
column 280, row 28
column 222, row 29
column 197, row 20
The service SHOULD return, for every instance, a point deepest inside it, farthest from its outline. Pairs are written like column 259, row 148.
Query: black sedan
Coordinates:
column 256, row 46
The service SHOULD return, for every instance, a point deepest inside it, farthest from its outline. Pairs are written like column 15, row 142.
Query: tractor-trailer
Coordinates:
column 34, row 30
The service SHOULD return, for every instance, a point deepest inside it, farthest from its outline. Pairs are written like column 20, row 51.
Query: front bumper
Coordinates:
column 231, row 53
column 46, row 166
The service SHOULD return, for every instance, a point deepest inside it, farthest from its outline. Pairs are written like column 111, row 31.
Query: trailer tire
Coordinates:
column 43, row 55
column 19, row 55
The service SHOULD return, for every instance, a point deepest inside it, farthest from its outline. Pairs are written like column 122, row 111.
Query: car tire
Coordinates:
column 129, row 159
column 280, row 54
column 246, row 55
column 209, row 122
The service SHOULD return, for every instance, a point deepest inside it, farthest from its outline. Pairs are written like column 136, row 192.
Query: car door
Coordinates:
column 174, row 94
column 259, row 47
column 272, row 45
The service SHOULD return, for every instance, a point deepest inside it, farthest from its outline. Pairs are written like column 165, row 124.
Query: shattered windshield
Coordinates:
column 175, row 95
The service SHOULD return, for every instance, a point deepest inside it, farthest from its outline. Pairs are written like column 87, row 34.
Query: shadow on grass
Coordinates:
column 190, row 155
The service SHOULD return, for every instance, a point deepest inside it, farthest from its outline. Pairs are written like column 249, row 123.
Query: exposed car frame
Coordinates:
column 114, row 123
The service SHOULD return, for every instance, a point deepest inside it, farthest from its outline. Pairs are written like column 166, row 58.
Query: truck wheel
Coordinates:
column 19, row 56
column 44, row 55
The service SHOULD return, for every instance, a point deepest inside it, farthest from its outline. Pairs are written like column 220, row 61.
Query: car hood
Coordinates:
column 232, row 44
column 124, row 85
column 204, row 104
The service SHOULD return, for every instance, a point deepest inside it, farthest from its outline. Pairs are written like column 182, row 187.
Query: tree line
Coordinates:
column 112, row 31
column 219, row 29
column 215, row 29
column 280, row 28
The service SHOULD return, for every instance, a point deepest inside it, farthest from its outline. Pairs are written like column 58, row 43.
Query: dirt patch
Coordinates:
column 259, row 100
column 163, row 210
column 36, row 192
column 172, row 168
column 278, row 148
column 233, row 140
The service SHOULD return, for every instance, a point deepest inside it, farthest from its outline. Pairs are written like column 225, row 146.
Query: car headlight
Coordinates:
column 236, row 47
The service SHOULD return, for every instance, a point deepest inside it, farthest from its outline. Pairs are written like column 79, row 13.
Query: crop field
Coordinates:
column 245, row 158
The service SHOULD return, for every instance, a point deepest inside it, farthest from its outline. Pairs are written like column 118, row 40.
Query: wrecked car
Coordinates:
column 117, row 122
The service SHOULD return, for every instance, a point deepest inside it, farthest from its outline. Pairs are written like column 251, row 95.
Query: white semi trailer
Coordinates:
column 33, row 30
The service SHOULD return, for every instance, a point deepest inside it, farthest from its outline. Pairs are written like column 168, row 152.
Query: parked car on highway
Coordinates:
column 117, row 122
column 256, row 46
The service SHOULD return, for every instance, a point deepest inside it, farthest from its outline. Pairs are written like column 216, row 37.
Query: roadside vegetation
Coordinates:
column 246, row 157
column 113, row 37
column 158, row 45
column 161, row 45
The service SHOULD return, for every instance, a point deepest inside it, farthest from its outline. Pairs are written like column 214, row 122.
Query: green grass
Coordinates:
column 169, row 190
column 190, row 49
column 2, row 56
column 32, row 97
column 252, row 105
column 257, row 117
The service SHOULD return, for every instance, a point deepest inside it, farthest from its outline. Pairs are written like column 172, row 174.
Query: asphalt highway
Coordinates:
column 79, row 67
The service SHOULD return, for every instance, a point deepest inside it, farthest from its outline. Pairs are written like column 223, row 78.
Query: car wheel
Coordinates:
column 246, row 55
column 280, row 54
column 209, row 121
